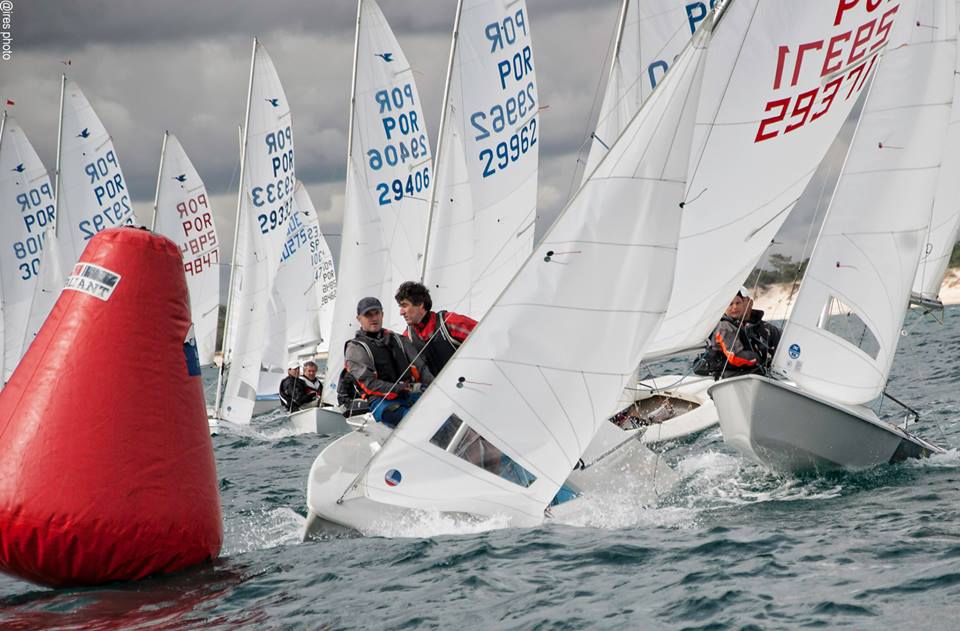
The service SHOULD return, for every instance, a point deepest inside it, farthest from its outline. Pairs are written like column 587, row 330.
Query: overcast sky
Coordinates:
column 183, row 65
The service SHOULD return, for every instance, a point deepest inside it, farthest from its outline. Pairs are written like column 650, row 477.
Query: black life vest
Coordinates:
column 389, row 360
column 439, row 348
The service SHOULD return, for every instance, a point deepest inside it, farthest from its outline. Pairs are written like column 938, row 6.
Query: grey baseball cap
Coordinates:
column 368, row 303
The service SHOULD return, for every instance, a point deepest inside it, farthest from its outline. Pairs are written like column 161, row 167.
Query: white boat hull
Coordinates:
column 265, row 404
column 333, row 508
column 320, row 420
column 777, row 425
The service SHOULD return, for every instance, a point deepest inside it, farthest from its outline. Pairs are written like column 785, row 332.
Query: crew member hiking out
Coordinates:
column 742, row 342
column 384, row 365
column 435, row 335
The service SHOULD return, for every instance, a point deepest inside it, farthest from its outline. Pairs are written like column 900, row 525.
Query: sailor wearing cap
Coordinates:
column 294, row 393
column 383, row 366
column 741, row 343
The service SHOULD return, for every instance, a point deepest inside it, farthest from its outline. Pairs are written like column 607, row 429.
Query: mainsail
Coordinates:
column 770, row 109
column 485, row 202
column 91, row 195
column 389, row 180
column 264, row 208
column 650, row 35
column 182, row 212
column 942, row 235
column 28, row 209
column 511, row 413
column 841, row 337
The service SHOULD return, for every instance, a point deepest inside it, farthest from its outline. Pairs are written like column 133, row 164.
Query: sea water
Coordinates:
column 732, row 547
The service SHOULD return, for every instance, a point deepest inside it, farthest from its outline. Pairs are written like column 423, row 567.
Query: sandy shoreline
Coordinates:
column 776, row 301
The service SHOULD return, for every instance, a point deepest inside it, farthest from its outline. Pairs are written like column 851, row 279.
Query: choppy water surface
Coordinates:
column 732, row 547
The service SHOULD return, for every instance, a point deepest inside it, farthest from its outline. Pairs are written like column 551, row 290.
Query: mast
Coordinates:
column 621, row 23
column 443, row 122
column 156, row 195
column 236, row 231
column 56, row 184
column 353, row 86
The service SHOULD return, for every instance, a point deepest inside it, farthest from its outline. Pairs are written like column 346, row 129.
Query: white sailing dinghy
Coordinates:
column 91, row 195
column 304, row 296
column 28, row 209
column 504, row 423
column 839, row 342
column 264, row 208
column 389, row 182
column 733, row 208
column 183, row 214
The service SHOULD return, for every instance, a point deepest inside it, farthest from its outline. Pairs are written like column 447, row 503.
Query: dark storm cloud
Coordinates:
column 66, row 25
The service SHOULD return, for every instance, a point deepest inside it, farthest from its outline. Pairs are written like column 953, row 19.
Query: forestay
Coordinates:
column 184, row 215
column 771, row 107
column 389, row 179
column 942, row 235
column 482, row 224
column 26, row 197
column 502, row 426
column 91, row 196
column 842, row 334
column 265, row 206
column 650, row 35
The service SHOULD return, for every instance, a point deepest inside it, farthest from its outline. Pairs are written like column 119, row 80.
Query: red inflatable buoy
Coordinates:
column 106, row 465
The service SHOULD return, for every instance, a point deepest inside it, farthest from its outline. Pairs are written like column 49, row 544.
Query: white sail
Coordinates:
column 650, row 35
column 91, row 195
column 945, row 222
column 307, row 296
column 28, row 208
column 545, row 366
column 264, row 209
column 389, row 179
column 184, row 215
column 842, row 334
column 769, row 112
column 482, row 225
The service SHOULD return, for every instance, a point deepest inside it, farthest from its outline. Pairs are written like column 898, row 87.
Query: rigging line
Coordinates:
column 562, row 408
column 534, row 411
